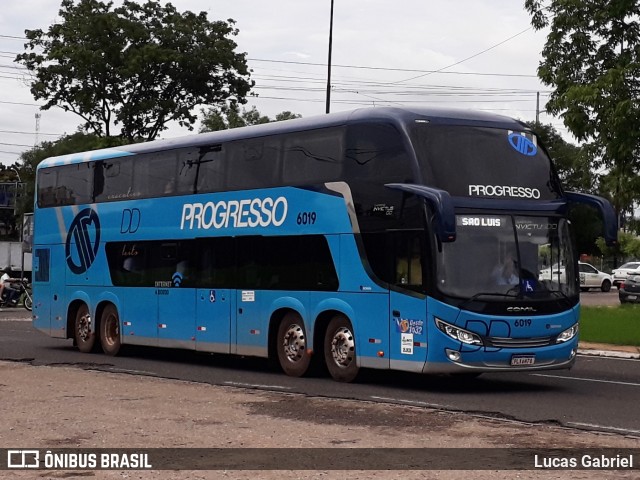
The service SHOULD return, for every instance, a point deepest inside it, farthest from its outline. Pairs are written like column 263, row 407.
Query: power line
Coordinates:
column 30, row 133
column 20, row 103
column 390, row 69
column 468, row 58
column 15, row 145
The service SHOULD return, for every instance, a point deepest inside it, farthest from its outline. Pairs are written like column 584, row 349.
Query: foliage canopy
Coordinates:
column 137, row 66
column 592, row 60
column 226, row 117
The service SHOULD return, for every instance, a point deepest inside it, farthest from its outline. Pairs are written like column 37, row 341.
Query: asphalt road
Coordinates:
column 596, row 298
column 599, row 394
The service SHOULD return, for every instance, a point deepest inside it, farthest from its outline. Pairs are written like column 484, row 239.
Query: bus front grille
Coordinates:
column 500, row 342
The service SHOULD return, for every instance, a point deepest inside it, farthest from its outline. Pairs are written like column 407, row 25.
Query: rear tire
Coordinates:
column 110, row 331
column 292, row 346
column 340, row 350
column 83, row 334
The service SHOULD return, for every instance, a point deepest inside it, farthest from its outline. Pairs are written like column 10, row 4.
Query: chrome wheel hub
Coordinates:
column 342, row 347
column 294, row 343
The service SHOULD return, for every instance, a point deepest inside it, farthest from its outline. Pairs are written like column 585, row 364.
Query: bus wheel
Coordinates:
column 83, row 335
column 340, row 350
column 292, row 346
column 110, row 330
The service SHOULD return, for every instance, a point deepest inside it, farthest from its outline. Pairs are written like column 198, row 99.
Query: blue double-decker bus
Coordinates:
column 432, row 241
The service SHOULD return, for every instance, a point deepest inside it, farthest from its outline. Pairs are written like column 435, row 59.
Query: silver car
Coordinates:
column 620, row 274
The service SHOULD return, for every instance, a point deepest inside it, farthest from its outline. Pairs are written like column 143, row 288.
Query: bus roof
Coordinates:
column 385, row 114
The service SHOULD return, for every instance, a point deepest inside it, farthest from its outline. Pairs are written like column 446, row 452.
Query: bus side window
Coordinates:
column 409, row 263
column 116, row 180
column 127, row 263
column 217, row 262
column 253, row 163
column 74, row 184
column 154, row 174
column 313, row 157
column 211, row 170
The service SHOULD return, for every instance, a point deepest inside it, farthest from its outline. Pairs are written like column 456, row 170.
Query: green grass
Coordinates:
column 618, row 325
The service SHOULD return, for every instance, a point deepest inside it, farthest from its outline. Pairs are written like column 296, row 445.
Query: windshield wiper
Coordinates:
column 487, row 294
column 562, row 295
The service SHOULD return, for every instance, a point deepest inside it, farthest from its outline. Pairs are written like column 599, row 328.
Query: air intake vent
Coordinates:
column 41, row 264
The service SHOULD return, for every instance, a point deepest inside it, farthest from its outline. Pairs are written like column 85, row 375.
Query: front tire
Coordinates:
column 292, row 346
column 340, row 350
column 83, row 334
column 110, row 331
column 606, row 286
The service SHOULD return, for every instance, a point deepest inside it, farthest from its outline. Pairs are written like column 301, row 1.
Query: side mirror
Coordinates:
column 440, row 201
column 609, row 217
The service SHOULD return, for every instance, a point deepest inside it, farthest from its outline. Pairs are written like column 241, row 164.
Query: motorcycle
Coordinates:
column 24, row 296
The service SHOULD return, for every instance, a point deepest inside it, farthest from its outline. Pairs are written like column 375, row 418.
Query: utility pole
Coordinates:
column 37, row 129
column 537, row 107
column 328, row 109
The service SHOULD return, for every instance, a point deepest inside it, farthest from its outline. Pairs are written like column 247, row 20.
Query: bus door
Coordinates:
column 408, row 331
column 213, row 319
column 174, row 277
column 215, row 298
column 250, row 329
column 407, row 305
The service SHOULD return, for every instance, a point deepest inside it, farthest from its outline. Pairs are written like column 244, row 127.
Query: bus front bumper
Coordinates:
column 451, row 361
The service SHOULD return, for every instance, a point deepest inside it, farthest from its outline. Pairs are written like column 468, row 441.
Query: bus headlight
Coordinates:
column 457, row 333
column 568, row 334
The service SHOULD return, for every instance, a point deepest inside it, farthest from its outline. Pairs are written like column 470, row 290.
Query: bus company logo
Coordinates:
column 522, row 144
column 83, row 239
column 256, row 212
column 521, row 309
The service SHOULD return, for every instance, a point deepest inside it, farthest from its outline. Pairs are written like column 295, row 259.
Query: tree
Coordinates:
column 571, row 161
column 137, row 66
column 628, row 245
column 226, row 117
column 592, row 60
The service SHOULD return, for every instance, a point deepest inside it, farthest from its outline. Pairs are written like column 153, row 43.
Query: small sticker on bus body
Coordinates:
column 248, row 296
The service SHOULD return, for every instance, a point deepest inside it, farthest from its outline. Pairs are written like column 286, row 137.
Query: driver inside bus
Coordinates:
column 506, row 273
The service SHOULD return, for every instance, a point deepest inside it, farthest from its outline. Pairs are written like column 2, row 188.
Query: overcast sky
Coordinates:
column 383, row 52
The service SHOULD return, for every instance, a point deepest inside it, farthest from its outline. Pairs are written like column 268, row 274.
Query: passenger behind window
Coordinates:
column 170, row 186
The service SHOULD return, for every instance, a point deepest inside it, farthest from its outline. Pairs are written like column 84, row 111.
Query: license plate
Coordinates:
column 631, row 297
column 523, row 360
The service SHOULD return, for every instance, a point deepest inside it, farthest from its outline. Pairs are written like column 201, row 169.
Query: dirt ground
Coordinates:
column 56, row 407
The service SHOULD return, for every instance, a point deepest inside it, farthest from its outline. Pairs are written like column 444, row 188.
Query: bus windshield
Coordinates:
column 484, row 162
column 511, row 256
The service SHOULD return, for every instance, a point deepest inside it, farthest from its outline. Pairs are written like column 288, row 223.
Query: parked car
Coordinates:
column 629, row 290
column 620, row 273
column 591, row 277
column 555, row 273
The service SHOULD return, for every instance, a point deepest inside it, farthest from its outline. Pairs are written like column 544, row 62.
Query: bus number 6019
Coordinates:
column 307, row 218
